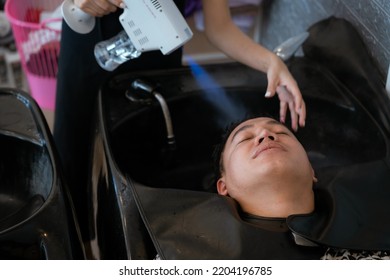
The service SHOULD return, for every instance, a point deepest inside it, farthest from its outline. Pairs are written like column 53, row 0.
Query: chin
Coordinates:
column 279, row 169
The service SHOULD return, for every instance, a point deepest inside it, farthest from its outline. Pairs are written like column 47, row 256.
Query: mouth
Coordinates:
column 266, row 148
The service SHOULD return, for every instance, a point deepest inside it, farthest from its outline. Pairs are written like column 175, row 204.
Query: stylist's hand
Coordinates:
column 99, row 8
column 280, row 81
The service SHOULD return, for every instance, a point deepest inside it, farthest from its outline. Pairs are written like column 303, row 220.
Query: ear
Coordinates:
column 221, row 187
column 315, row 180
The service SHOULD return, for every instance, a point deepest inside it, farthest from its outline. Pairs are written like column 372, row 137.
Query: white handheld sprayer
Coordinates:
column 148, row 25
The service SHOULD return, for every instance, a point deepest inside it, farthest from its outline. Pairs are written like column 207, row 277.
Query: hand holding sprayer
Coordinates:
column 148, row 25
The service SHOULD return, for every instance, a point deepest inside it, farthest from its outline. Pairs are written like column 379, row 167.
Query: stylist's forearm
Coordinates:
column 240, row 47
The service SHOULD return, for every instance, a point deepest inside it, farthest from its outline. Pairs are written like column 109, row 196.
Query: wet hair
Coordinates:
column 220, row 147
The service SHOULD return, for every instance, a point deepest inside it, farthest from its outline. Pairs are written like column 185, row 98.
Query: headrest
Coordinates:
column 352, row 208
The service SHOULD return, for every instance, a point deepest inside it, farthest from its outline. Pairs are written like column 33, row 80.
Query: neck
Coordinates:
column 282, row 201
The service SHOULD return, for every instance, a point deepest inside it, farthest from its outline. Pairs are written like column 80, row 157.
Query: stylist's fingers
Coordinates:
column 302, row 115
column 294, row 116
column 272, row 84
column 299, row 104
column 105, row 6
column 271, row 88
column 287, row 103
column 282, row 111
column 96, row 8
column 118, row 3
column 292, row 87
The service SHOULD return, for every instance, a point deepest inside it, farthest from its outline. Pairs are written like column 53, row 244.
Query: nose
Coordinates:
column 266, row 134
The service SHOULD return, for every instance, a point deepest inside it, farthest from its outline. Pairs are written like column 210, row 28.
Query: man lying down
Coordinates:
column 269, row 205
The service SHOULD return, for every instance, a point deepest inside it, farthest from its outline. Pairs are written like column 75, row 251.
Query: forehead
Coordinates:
column 258, row 123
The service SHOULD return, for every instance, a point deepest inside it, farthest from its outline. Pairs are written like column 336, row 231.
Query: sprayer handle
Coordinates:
column 77, row 19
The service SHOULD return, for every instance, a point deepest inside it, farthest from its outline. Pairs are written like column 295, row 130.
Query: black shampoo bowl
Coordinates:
column 140, row 149
column 36, row 218
column 131, row 147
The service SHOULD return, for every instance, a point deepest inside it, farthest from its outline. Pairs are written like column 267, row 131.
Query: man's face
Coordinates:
column 258, row 153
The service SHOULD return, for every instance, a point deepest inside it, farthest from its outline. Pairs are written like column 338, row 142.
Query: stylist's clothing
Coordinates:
column 78, row 82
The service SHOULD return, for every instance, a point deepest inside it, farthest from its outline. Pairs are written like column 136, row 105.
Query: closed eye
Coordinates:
column 283, row 133
column 244, row 139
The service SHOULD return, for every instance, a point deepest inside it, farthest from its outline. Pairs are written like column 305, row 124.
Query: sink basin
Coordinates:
column 36, row 218
column 139, row 147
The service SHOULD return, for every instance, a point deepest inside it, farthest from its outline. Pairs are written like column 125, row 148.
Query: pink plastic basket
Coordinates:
column 38, row 46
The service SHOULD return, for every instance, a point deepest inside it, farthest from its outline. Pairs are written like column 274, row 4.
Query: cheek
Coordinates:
column 235, row 171
column 239, row 177
column 302, row 157
column 302, row 163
